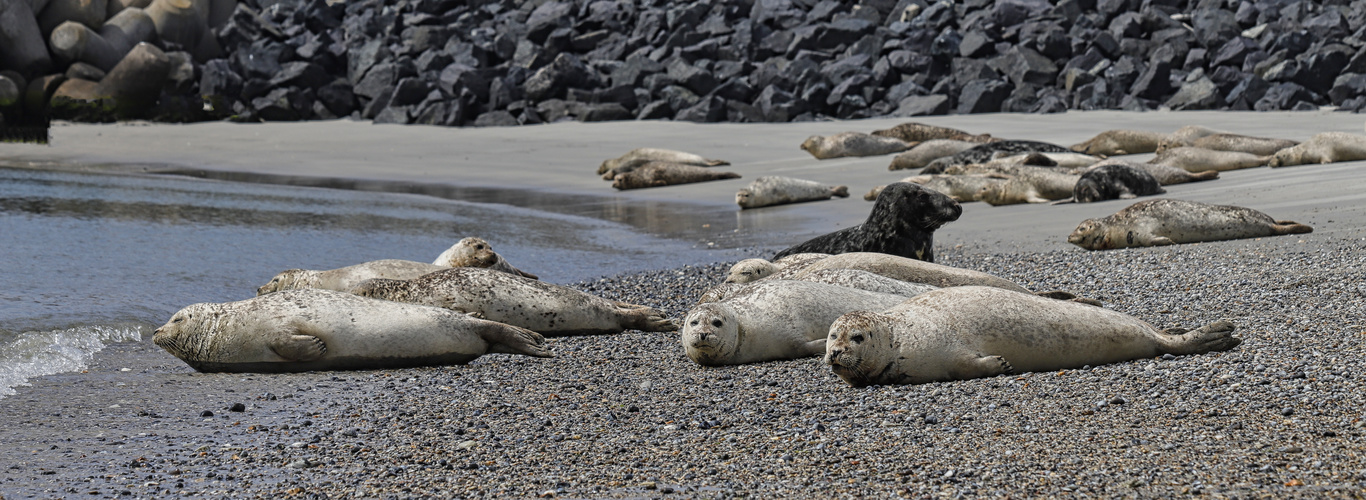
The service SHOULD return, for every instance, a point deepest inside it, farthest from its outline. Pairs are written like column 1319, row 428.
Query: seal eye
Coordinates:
column 479, row 247
column 695, row 322
column 856, row 339
column 716, row 323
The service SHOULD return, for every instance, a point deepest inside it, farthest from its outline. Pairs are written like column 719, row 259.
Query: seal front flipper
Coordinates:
column 813, row 348
column 295, row 345
column 983, row 366
column 510, row 339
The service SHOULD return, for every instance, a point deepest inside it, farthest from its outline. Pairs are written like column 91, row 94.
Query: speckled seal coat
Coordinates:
column 475, row 252
column 983, row 153
column 658, row 154
column 772, row 319
column 536, row 305
column 311, row 329
column 343, row 279
column 660, row 173
column 1028, row 185
column 1121, row 142
column 1260, row 146
column 1168, row 222
column 972, row 332
column 848, row 278
column 772, row 190
column 902, row 222
column 1200, row 160
column 1326, row 147
column 962, row 188
column 1113, row 182
column 914, row 132
column 924, row 153
column 1165, row 174
column 852, row 144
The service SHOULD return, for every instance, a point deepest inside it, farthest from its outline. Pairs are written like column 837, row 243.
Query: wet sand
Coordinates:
column 629, row 416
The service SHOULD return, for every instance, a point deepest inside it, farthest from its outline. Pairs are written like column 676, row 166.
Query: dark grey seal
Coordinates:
column 1112, row 182
column 991, row 150
column 902, row 223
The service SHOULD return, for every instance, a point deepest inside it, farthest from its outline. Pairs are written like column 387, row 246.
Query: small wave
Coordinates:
column 37, row 353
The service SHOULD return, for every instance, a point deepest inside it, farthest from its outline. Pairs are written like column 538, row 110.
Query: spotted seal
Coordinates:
column 536, row 305
column 848, row 278
column 902, row 222
column 660, row 173
column 1200, row 159
column 1121, row 142
column 962, row 188
column 852, row 144
column 1326, row 147
column 771, row 320
column 983, row 153
column 772, row 190
column 924, row 153
column 1166, row 175
column 1168, row 222
column 914, row 132
column 474, row 252
column 342, row 279
column 973, row 332
column 1260, row 146
column 657, row 154
column 312, row 329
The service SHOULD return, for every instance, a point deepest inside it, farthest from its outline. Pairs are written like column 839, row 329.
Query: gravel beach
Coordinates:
column 629, row 416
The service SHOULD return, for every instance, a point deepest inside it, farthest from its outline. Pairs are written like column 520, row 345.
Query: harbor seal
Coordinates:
column 751, row 270
column 924, row 153
column 772, row 190
column 343, row 279
column 1029, row 185
column 914, row 132
column 1166, row 175
column 1115, row 182
column 1168, row 222
column 473, row 252
column 311, row 329
column 1121, row 142
column 1326, row 147
column 848, row 278
column 1200, row 159
column 1260, row 146
column 983, row 153
column 972, row 332
column 536, row 305
column 962, row 188
column 902, row 222
column 657, row 154
column 852, row 144
column 659, row 173
column 772, row 320
column 929, row 273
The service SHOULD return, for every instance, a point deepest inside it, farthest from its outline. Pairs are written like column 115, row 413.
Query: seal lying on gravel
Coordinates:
column 656, row 154
column 852, row 144
column 1168, row 222
column 914, row 132
column 473, row 252
column 924, row 153
column 1200, row 160
column 751, row 270
column 343, row 279
column 777, row 190
column 309, row 329
column 1121, row 142
column 1260, row 146
column 962, row 188
column 659, row 173
column 848, row 278
column 1326, row 147
column 902, row 222
column 545, row 308
column 775, row 319
column 1165, row 174
column 972, row 332
column 1114, row 182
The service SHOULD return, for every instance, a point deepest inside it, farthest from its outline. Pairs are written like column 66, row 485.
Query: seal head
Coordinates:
column 861, row 348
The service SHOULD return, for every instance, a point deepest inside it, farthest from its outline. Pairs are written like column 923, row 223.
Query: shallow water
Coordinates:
column 94, row 258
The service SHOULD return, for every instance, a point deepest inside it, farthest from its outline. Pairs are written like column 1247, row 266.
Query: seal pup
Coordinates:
column 902, row 222
column 1115, row 182
column 1168, row 222
column 924, row 153
column 311, row 329
column 914, row 132
column 657, row 154
column 1121, row 142
column 1325, row 147
column 535, row 305
column 983, row 153
column 474, row 252
column 661, row 173
column 972, row 332
column 848, row 278
column 962, row 188
column 772, row 320
column 1260, row 146
column 1200, row 159
column 852, row 144
column 342, row 279
column 1166, row 175
column 772, row 190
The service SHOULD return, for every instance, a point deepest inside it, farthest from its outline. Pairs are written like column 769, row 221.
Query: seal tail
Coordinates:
column 841, row 192
column 1291, row 227
column 1207, row 175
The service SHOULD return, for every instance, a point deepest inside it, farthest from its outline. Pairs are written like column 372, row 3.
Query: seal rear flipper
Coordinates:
column 1291, row 227
column 508, row 339
column 1206, row 175
column 716, row 163
column 843, row 192
column 1216, row 336
column 294, row 345
column 650, row 320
